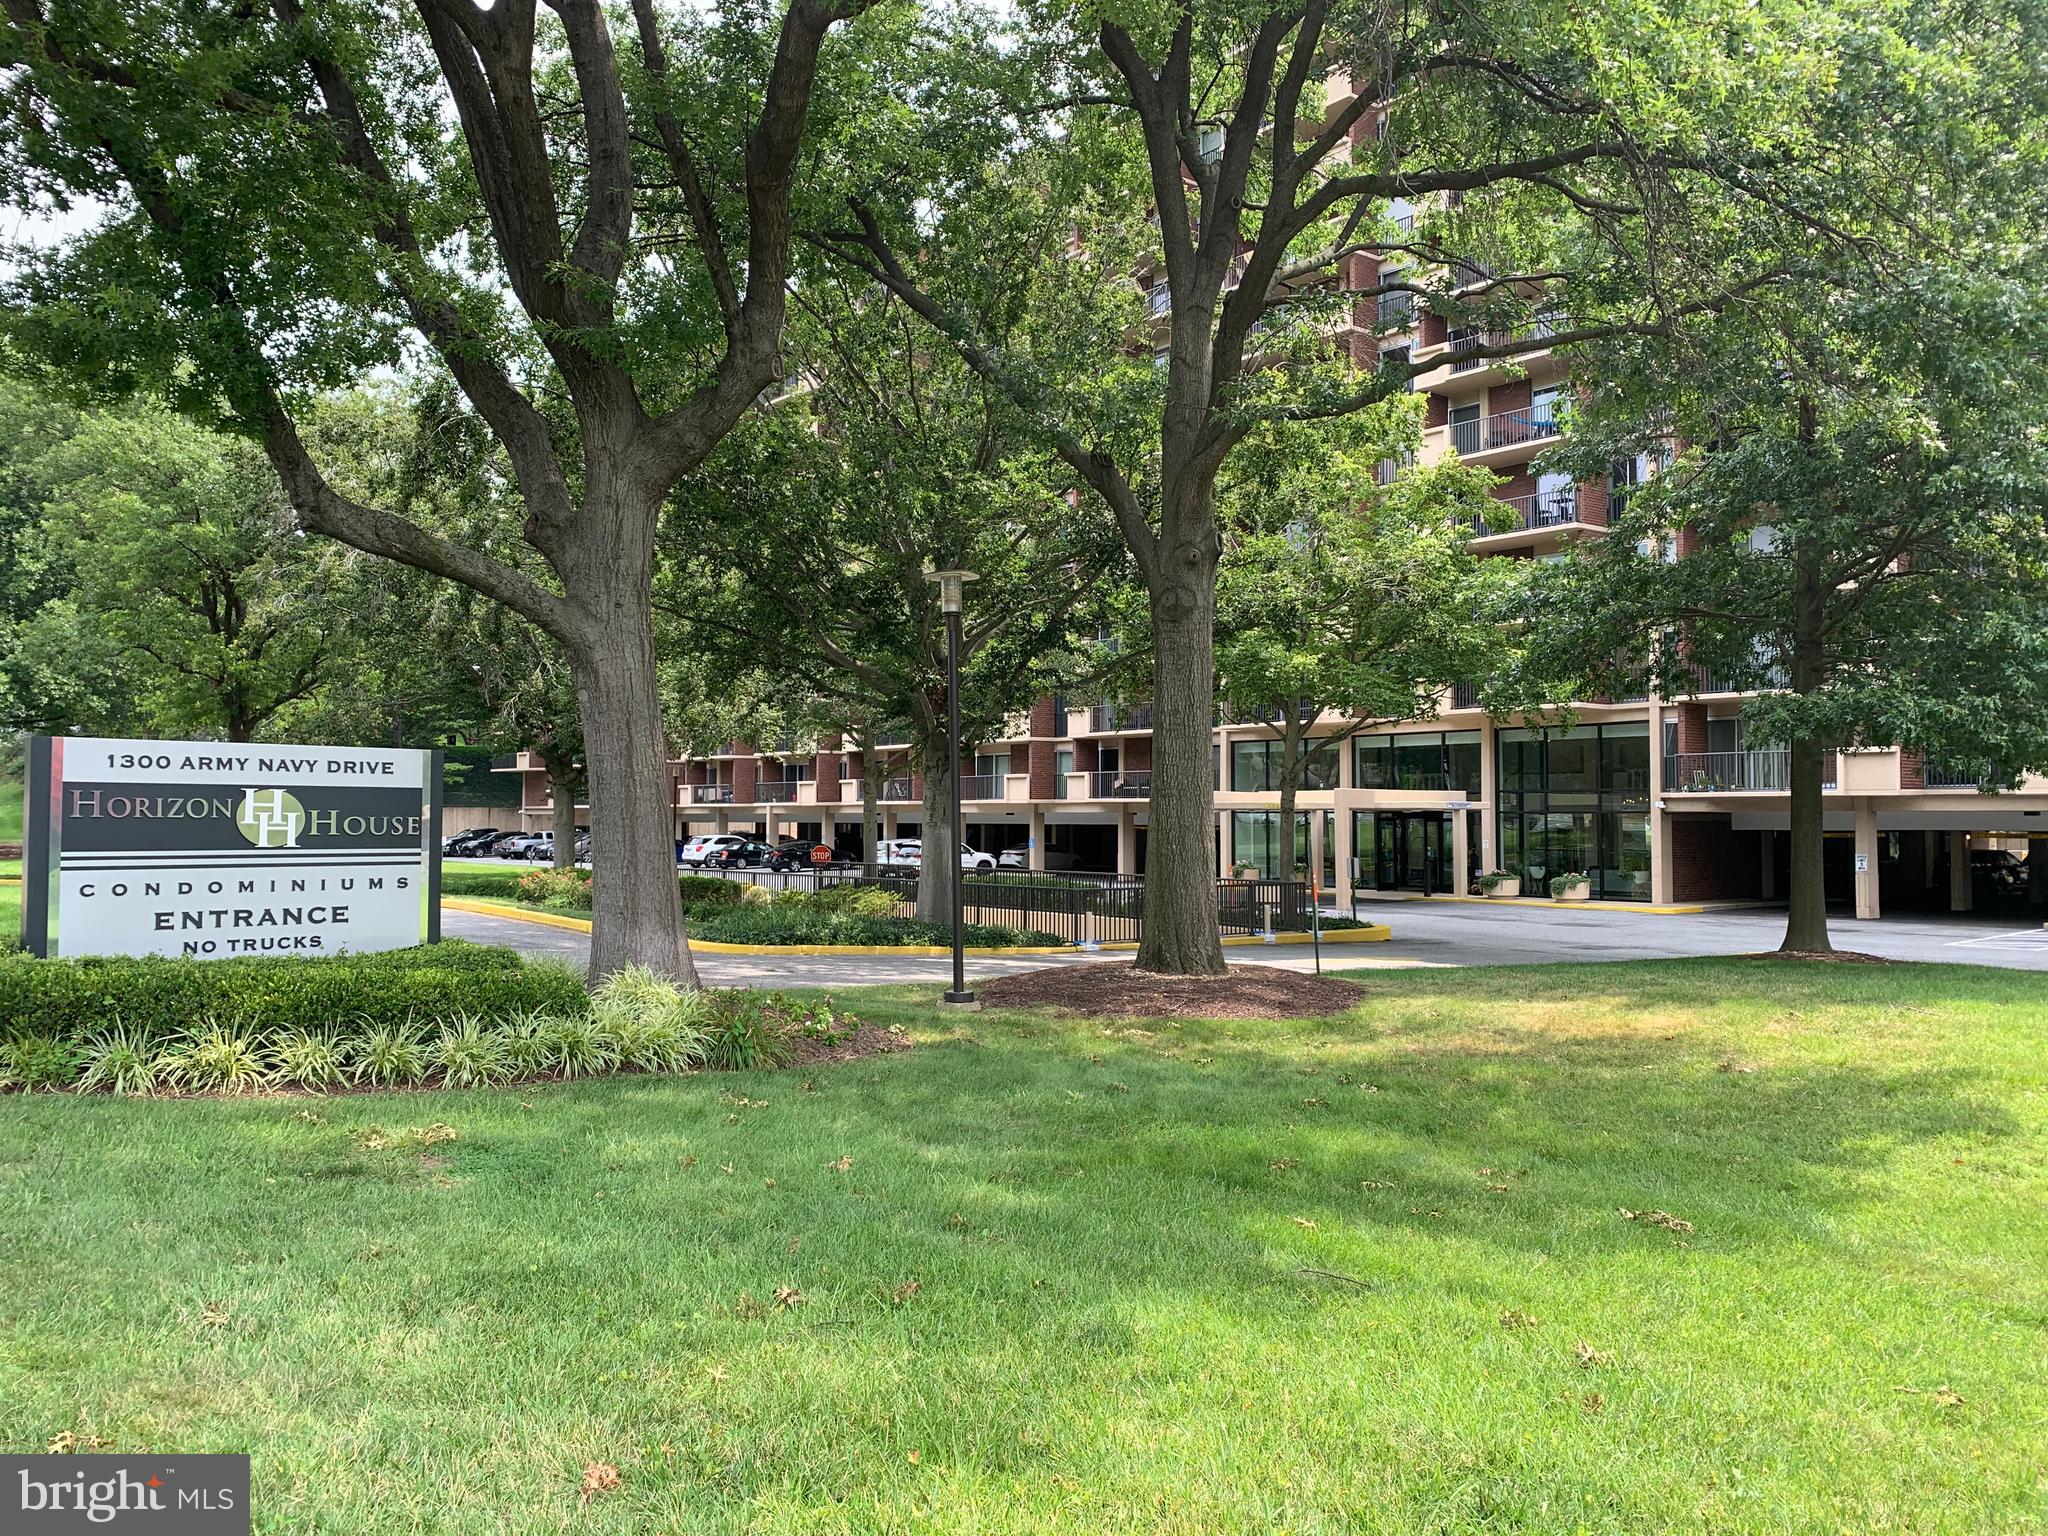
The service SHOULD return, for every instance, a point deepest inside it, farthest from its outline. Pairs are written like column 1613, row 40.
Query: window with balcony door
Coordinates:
column 1465, row 428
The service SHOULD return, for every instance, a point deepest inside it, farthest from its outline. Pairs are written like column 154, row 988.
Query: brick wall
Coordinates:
column 1043, row 721
column 1593, row 502
column 1519, row 482
column 826, row 772
column 1138, row 753
column 1692, row 727
column 1435, row 331
column 1710, row 861
column 1913, row 770
column 1515, row 395
column 746, row 773
column 1438, row 411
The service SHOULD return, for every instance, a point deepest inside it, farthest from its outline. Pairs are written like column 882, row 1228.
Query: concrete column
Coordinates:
column 2037, row 871
column 1035, row 859
column 1225, row 854
column 1315, row 847
column 1661, row 877
column 1126, row 844
column 888, row 828
column 724, row 821
column 1960, row 896
column 1866, row 857
column 1489, row 797
column 1460, row 853
column 1342, row 894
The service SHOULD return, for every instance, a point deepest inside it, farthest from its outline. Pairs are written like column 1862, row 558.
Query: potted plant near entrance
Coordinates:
column 1502, row 883
column 1572, row 885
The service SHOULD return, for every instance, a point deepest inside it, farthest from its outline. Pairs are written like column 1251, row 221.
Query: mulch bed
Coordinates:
column 1121, row 991
column 868, row 1040
column 1827, row 956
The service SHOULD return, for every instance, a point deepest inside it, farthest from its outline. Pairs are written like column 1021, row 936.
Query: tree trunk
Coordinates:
column 562, row 802
column 870, row 805
column 1181, row 935
column 637, row 915
column 1806, row 918
column 939, row 869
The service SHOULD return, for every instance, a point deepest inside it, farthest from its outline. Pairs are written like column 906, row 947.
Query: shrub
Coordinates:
column 34, row 1062
column 526, row 1050
column 756, row 896
column 215, row 1058
column 388, row 1056
column 854, row 900
column 498, row 884
column 307, row 1058
column 118, row 1060
column 747, row 1031
column 782, row 924
column 564, row 890
column 575, row 1046
column 159, row 998
column 1559, row 884
column 650, row 1022
column 708, row 891
column 469, row 1054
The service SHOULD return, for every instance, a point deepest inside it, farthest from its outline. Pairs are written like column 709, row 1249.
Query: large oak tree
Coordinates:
column 589, row 234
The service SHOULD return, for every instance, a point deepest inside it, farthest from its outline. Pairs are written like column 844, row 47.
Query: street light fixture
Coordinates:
column 951, row 584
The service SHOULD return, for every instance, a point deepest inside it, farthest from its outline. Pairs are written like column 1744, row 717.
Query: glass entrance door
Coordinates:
column 1413, row 851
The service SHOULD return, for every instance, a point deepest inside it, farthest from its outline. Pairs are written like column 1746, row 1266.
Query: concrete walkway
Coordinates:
column 1426, row 933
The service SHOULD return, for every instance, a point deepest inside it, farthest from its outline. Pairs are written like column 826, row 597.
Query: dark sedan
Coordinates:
column 739, row 855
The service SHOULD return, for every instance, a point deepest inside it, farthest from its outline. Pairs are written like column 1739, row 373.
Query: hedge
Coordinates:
column 695, row 891
column 67, row 998
column 779, row 924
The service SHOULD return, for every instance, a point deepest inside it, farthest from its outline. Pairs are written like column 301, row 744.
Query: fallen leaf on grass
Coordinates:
column 904, row 1292
column 1738, row 1066
column 787, row 1296
column 213, row 1314
column 69, row 1442
column 1303, row 1222
column 749, row 1309
column 1513, row 1319
column 1590, row 1357
column 916, row 1456
column 1944, row 1396
column 1282, row 1164
column 598, row 1477
column 1664, row 1219
column 1592, row 1402
column 1375, row 1183
column 841, row 1165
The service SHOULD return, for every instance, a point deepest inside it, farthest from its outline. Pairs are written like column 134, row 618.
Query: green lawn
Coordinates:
column 10, row 811
column 1358, row 1275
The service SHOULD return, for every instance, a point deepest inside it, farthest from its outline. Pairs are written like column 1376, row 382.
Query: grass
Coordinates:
column 10, row 810
column 1359, row 1275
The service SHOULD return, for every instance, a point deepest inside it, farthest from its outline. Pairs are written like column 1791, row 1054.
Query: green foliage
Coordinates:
column 653, row 1025
column 781, row 924
column 33, row 1062
column 704, row 891
column 313, row 1059
column 1568, row 880
column 118, row 1060
column 576, row 1045
column 388, row 1055
column 563, row 890
column 853, row 900
column 215, row 1058
column 756, row 896
column 469, row 1054
column 747, row 1031
column 160, row 997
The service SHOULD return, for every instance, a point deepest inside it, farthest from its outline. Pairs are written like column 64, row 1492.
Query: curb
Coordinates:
column 1641, row 908
column 1377, row 933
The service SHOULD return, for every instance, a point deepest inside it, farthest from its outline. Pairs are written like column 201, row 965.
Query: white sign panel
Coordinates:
column 211, row 849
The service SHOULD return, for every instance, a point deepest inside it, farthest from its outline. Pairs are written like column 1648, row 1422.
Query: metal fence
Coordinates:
column 1073, row 908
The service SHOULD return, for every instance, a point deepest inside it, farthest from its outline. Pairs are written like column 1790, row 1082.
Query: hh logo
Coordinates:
column 271, row 818
column 167, row 1496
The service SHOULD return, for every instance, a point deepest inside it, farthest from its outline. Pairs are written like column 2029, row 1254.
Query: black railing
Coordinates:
column 1120, row 717
column 1951, row 778
column 1072, row 908
column 775, row 791
column 711, row 794
column 1706, row 773
column 1465, row 696
column 898, row 789
column 1121, row 784
column 981, row 786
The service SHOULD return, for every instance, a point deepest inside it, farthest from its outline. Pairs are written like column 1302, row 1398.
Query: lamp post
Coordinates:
column 950, row 585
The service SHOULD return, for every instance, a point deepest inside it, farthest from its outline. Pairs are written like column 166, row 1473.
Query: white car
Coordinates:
column 910, row 851
column 700, row 849
column 522, row 847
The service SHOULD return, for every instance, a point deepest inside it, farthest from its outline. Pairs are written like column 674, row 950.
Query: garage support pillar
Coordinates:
column 1126, row 845
column 1866, row 860
column 1035, row 857
column 1960, row 897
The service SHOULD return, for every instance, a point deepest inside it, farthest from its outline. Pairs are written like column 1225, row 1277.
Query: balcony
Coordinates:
column 1504, row 429
column 1121, row 784
column 1720, row 773
column 1120, row 717
column 898, row 789
column 1951, row 778
column 776, row 791
column 711, row 794
column 981, row 786
column 1539, row 509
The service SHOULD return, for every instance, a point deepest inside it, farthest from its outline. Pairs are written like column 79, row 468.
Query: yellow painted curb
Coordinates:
column 1377, row 933
column 1591, row 906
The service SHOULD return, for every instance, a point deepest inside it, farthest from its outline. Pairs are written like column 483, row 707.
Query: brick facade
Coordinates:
column 1711, row 861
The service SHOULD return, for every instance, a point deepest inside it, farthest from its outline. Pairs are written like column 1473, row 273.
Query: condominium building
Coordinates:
column 1656, row 801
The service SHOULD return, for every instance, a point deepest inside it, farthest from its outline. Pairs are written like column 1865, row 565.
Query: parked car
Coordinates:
column 738, row 853
column 709, row 852
column 687, row 848
column 489, row 849
column 460, row 844
column 522, row 844
column 583, row 848
column 910, row 851
column 2000, row 868
column 802, row 853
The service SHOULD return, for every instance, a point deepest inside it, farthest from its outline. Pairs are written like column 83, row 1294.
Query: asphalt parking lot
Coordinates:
column 1426, row 933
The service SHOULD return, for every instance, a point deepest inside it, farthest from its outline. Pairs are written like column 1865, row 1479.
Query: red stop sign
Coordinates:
column 821, row 854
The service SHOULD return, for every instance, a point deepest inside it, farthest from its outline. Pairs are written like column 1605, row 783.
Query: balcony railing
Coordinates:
column 775, row 791
column 898, row 789
column 1951, row 778
column 1465, row 696
column 1709, row 773
column 711, row 794
column 1539, row 509
column 981, row 786
column 1466, row 342
column 1121, row 784
column 1504, row 429
column 1397, row 310
column 1120, row 717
